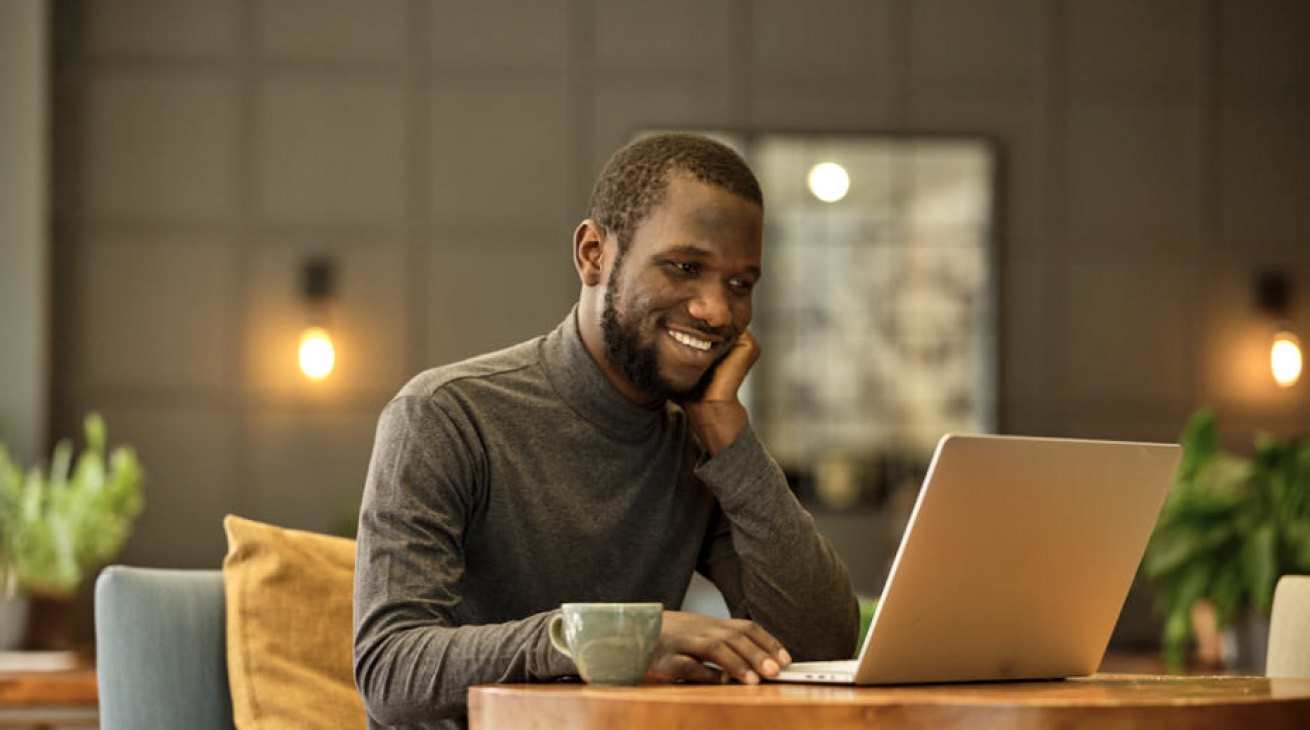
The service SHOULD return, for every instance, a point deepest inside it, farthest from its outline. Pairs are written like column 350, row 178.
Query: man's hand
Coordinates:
column 718, row 418
column 741, row 649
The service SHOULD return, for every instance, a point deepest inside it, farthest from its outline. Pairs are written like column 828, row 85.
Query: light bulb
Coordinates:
column 317, row 355
column 1285, row 358
column 829, row 181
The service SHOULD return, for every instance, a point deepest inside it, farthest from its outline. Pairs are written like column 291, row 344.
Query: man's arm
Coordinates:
column 413, row 661
column 770, row 563
column 766, row 557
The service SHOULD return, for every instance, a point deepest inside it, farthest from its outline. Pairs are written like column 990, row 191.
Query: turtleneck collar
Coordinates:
column 582, row 384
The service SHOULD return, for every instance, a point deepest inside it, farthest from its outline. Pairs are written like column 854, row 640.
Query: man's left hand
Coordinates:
column 718, row 418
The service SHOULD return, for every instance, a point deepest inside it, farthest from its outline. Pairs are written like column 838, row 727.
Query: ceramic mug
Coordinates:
column 612, row 643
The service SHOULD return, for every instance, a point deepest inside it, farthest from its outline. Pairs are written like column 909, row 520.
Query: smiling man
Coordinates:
column 608, row 460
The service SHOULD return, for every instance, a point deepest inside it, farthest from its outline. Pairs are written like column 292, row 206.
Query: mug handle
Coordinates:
column 557, row 635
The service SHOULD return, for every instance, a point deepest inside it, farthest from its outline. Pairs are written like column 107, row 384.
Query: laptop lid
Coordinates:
column 1016, row 559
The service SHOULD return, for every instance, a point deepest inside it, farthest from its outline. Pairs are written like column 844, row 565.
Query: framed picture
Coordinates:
column 878, row 308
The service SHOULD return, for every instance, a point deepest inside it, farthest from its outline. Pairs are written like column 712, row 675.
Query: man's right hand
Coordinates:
column 741, row 649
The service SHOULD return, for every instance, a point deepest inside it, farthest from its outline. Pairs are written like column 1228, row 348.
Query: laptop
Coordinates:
column 1015, row 562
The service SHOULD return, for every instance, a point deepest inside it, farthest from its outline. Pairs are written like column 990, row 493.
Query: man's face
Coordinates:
column 679, row 297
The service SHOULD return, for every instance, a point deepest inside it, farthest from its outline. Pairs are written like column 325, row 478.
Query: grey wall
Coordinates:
column 1155, row 154
column 24, row 227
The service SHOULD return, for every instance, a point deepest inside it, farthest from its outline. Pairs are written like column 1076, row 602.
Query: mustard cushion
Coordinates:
column 289, row 598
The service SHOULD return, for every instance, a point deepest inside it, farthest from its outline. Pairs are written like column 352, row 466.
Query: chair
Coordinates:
column 161, row 656
column 1289, row 629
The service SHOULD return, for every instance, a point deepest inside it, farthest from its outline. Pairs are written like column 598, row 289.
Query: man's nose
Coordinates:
column 711, row 305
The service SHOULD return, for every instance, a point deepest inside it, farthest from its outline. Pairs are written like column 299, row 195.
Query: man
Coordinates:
column 605, row 461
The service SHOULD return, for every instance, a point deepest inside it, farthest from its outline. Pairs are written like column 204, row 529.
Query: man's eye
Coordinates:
column 688, row 268
column 741, row 286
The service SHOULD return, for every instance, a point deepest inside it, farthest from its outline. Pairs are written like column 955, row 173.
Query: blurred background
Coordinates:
column 171, row 167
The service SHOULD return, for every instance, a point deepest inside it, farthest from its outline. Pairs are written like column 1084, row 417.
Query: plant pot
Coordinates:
column 49, row 623
column 1207, row 637
column 13, row 621
column 1245, row 643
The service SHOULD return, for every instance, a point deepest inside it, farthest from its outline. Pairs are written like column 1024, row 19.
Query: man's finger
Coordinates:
column 680, row 667
column 747, row 651
column 764, row 639
column 732, row 370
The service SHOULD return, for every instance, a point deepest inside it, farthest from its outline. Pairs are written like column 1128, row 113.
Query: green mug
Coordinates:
column 612, row 643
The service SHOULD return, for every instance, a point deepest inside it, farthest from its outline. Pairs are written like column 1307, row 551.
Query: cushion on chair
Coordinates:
column 160, row 650
column 289, row 628
column 1289, row 629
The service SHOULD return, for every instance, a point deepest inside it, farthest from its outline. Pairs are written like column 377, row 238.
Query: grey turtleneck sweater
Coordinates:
column 503, row 486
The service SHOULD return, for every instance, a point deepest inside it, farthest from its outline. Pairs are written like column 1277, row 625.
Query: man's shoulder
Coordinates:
column 518, row 359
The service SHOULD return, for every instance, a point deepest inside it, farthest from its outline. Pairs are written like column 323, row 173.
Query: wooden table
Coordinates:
column 1101, row 702
column 49, row 699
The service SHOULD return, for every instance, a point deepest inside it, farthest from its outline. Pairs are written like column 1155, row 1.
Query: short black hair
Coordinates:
column 636, row 178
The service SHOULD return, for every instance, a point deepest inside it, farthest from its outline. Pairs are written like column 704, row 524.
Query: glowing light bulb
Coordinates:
column 317, row 356
column 829, row 181
column 1285, row 358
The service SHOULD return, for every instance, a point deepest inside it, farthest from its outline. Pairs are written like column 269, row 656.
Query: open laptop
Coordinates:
column 1015, row 562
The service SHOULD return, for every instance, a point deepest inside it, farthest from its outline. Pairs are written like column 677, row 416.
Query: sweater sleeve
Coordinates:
column 414, row 661
column 768, row 560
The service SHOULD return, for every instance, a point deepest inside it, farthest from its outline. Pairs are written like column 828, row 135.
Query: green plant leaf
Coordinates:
column 1230, row 527
column 1179, row 544
column 1228, row 590
column 1260, row 561
column 1177, row 635
column 1296, row 537
column 55, row 530
column 1178, row 594
column 1200, row 441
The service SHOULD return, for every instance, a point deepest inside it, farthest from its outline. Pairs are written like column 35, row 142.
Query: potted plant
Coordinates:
column 57, row 529
column 1230, row 527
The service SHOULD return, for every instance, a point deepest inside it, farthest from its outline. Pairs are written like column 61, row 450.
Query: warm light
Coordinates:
column 829, row 181
column 1285, row 358
column 316, row 353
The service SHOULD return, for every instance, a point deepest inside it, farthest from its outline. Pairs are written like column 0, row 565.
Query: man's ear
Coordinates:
column 589, row 252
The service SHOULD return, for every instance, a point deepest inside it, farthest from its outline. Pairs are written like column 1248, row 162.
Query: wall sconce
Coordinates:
column 1273, row 294
column 317, row 355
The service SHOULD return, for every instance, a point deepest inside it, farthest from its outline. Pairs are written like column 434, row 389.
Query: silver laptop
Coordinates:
column 1015, row 563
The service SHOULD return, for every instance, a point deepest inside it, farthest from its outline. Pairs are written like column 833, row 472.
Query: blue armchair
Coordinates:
column 161, row 654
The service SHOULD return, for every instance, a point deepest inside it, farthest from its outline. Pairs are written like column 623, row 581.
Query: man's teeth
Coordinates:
column 690, row 341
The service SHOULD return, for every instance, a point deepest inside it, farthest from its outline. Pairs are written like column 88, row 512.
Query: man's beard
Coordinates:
column 637, row 362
